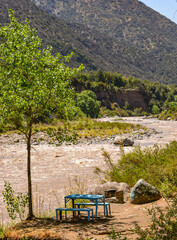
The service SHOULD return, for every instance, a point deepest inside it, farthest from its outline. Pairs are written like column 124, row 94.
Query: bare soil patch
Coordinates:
column 122, row 220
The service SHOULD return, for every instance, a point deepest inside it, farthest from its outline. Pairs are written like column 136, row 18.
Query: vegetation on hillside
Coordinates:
column 96, row 49
column 27, row 97
column 160, row 98
column 151, row 36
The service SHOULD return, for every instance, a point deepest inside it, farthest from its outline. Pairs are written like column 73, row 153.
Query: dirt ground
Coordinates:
column 55, row 168
column 123, row 218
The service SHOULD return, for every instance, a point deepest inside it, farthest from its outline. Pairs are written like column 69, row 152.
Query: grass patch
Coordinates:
column 59, row 131
column 2, row 231
column 67, row 130
column 4, row 228
column 87, row 127
column 156, row 165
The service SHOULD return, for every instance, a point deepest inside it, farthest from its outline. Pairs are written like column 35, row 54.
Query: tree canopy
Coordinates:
column 87, row 102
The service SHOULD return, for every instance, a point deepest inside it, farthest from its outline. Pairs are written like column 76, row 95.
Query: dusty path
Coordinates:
column 54, row 168
column 123, row 219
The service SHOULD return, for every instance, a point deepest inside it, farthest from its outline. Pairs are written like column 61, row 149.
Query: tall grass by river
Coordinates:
column 157, row 165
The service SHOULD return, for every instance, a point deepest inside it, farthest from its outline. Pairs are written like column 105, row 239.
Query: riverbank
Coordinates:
column 55, row 168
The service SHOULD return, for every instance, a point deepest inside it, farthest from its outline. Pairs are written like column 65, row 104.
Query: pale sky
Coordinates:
column 167, row 8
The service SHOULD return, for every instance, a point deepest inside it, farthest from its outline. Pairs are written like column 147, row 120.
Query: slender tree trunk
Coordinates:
column 30, row 214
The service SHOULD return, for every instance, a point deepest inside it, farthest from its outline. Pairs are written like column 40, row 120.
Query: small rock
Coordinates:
column 123, row 141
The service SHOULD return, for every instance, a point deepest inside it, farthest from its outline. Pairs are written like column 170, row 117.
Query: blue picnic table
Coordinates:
column 93, row 198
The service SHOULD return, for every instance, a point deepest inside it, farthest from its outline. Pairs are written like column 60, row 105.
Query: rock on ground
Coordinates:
column 143, row 192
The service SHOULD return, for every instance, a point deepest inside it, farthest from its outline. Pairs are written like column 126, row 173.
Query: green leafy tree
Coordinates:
column 33, row 82
column 99, row 76
column 87, row 101
column 155, row 109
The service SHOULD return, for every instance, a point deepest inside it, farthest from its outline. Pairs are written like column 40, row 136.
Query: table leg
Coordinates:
column 60, row 215
column 78, row 211
column 65, row 207
column 104, row 205
column 96, row 209
column 57, row 215
column 88, row 216
column 73, row 206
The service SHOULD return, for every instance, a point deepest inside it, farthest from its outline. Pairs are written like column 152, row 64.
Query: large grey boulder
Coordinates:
column 124, row 141
column 143, row 192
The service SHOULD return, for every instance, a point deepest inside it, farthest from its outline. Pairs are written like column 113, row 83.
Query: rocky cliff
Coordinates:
column 133, row 97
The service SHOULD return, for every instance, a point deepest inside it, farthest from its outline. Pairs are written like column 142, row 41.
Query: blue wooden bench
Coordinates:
column 74, row 210
column 93, row 204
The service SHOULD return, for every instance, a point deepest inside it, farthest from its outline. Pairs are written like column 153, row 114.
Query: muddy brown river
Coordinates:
column 55, row 168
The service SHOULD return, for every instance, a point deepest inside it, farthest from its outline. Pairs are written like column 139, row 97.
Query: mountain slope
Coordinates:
column 128, row 21
column 95, row 49
column 91, row 47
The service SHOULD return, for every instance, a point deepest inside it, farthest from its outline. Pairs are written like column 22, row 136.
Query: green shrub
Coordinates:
column 87, row 102
column 4, row 228
column 116, row 111
column 15, row 204
column 2, row 231
column 155, row 165
column 116, row 236
column 164, row 223
column 168, row 115
column 155, row 109
column 61, row 135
